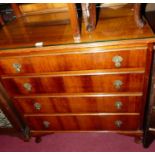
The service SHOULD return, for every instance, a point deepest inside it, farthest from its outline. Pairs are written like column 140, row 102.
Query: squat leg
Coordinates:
column 38, row 139
column 138, row 140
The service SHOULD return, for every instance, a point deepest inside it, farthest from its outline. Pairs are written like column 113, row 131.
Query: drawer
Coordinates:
column 47, row 105
column 74, row 61
column 85, row 122
column 75, row 84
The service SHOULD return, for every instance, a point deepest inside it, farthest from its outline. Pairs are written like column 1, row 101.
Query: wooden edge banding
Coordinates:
column 66, row 50
column 135, row 132
column 135, row 43
column 80, row 95
column 81, row 114
column 77, row 73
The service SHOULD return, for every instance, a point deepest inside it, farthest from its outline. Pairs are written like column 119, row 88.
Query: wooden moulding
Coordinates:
column 129, row 133
column 59, row 95
column 81, row 114
column 78, row 73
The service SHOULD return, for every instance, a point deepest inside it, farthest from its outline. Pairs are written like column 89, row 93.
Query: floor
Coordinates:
column 75, row 142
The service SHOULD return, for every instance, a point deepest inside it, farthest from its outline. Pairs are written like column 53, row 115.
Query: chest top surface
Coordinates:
column 113, row 25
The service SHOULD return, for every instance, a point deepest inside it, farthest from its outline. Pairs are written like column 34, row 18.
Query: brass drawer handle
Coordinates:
column 118, row 104
column 46, row 124
column 27, row 86
column 17, row 67
column 117, row 84
column 118, row 123
column 117, row 60
column 37, row 106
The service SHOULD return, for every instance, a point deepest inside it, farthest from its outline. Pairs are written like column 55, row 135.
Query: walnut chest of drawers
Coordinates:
column 97, row 85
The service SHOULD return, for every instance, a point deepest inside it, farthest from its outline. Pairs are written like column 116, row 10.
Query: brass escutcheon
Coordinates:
column 37, row 106
column 118, row 123
column 27, row 86
column 117, row 84
column 46, row 124
column 118, row 104
column 117, row 60
column 17, row 67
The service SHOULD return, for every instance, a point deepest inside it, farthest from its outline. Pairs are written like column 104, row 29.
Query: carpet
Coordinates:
column 74, row 142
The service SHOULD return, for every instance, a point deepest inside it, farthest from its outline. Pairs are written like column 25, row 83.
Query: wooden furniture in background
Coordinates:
column 90, row 15
column 138, row 15
column 10, row 123
column 49, row 13
column 97, row 85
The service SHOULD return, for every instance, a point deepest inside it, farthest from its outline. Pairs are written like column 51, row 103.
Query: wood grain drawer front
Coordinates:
column 75, row 84
column 78, row 104
column 86, row 122
column 74, row 61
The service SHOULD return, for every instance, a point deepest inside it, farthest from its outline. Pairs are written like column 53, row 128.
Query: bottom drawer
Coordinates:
column 84, row 122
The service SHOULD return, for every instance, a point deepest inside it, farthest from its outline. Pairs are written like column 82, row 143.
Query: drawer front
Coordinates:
column 74, row 62
column 89, row 122
column 75, row 84
column 78, row 104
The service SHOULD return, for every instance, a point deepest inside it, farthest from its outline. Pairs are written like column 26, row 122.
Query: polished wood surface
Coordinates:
column 73, row 104
column 101, row 122
column 48, row 14
column 75, row 60
column 36, row 8
column 52, row 13
column 106, row 30
column 75, row 84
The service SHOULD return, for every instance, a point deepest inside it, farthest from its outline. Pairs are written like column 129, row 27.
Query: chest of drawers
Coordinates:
column 82, row 90
column 97, row 85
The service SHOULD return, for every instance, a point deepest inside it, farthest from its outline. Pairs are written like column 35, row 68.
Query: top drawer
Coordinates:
column 73, row 61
